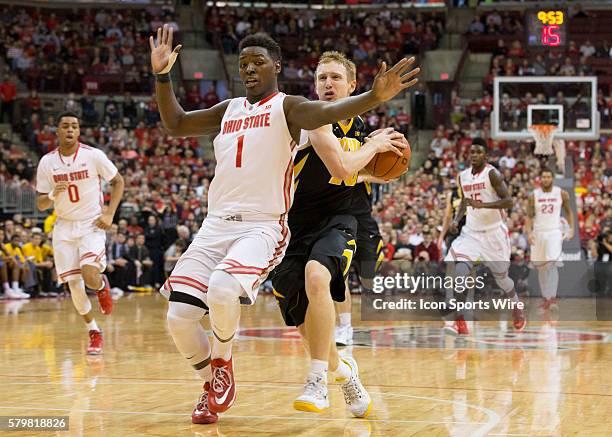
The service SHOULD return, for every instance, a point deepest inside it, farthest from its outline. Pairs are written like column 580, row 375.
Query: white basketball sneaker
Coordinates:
column 356, row 396
column 314, row 399
column 343, row 335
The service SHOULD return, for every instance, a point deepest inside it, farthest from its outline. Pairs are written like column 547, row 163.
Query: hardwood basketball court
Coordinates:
column 546, row 381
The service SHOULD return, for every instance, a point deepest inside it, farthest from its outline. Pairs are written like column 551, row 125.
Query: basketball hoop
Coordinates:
column 543, row 135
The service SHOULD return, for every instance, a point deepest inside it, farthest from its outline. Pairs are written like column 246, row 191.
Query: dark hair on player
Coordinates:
column 548, row 170
column 262, row 40
column 478, row 141
column 67, row 114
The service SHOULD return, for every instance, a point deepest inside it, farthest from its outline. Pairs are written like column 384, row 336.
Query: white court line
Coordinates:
column 493, row 417
column 232, row 416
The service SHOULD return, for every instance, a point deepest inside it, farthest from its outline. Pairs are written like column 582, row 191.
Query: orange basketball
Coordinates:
column 388, row 165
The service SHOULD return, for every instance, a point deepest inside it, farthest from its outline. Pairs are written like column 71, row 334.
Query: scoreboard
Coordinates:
column 546, row 28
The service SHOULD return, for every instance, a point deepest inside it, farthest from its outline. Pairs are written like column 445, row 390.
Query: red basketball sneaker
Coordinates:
column 519, row 320
column 222, row 391
column 95, row 343
column 104, row 297
column 462, row 327
column 201, row 414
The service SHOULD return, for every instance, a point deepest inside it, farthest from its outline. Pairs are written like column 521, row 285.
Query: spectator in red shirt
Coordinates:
column 193, row 98
column 8, row 94
column 211, row 98
column 32, row 103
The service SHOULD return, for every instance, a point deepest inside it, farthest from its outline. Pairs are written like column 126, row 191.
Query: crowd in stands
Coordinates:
column 55, row 51
column 167, row 178
column 164, row 204
column 366, row 36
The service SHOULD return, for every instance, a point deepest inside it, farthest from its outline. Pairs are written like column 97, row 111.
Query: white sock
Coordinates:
column 343, row 371
column 93, row 326
column 553, row 281
column 103, row 283
column 345, row 319
column 15, row 285
column 6, row 286
column 543, row 280
column 318, row 367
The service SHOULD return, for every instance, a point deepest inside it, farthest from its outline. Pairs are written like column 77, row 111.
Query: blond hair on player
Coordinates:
column 340, row 58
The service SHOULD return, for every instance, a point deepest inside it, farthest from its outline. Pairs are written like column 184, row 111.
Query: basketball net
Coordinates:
column 543, row 135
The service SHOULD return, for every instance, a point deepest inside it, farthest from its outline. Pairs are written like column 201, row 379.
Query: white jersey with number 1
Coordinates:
column 254, row 152
column 84, row 171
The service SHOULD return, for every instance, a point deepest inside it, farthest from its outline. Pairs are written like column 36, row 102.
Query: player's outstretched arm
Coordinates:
column 342, row 164
column 177, row 122
column 310, row 115
column 568, row 213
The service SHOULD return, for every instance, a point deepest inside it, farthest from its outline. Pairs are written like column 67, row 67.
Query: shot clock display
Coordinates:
column 546, row 28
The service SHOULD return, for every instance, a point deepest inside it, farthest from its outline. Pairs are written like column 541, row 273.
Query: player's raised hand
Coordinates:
column 162, row 55
column 389, row 82
column 60, row 187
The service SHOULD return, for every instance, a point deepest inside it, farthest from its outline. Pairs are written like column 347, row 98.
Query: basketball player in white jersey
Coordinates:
column 69, row 179
column 245, row 233
column 484, row 237
column 543, row 227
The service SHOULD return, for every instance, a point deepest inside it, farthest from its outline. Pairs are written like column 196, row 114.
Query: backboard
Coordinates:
column 570, row 103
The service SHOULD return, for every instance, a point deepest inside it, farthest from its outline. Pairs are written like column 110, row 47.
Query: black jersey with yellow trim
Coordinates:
column 362, row 199
column 317, row 193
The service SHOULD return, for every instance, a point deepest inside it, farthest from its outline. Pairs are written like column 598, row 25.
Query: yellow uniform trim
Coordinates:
column 346, row 127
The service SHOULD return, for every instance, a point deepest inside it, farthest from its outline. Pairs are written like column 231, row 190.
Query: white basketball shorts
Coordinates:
column 547, row 246
column 248, row 250
column 491, row 247
column 75, row 244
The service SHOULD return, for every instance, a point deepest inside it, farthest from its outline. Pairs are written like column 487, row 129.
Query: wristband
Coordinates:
column 162, row 78
column 51, row 196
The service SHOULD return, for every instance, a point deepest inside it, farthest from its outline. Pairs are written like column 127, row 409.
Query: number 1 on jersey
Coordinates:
column 239, row 151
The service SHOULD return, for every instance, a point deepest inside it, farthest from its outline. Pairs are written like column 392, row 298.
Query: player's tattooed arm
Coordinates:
column 302, row 113
column 500, row 187
column 116, row 193
column 529, row 218
column 568, row 213
column 343, row 164
column 176, row 121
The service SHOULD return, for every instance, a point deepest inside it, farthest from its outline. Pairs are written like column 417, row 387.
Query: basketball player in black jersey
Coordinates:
column 367, row 259
column 458, row 326
column 453, row 200
column 323, row 231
